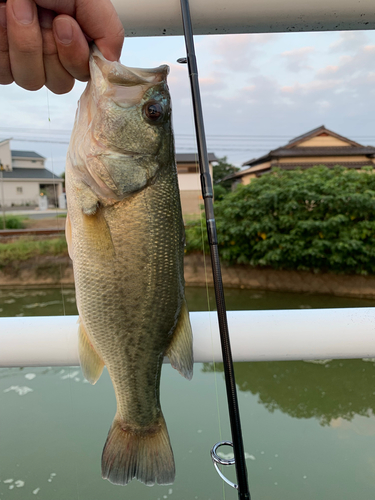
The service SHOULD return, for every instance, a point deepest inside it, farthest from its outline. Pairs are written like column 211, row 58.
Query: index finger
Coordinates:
column 98, row 20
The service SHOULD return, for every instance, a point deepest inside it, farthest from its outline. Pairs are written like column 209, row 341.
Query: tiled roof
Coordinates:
column 262, row 169
column 283, row 152
column 323, row 151
column 292, row 149
column 307, row 134
column 193, row 157
column 30, row 173
column 319, row 131
column 26, row 154
column 346, row 164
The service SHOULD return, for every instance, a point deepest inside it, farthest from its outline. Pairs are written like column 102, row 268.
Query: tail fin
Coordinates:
column 145, row 455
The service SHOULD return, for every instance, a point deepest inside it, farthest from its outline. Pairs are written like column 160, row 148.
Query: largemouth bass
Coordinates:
column 126, row 238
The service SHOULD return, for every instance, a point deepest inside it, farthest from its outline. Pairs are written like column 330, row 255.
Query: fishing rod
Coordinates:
column 207, row 193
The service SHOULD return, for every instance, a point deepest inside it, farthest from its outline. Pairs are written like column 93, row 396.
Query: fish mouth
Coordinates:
column 119, row 74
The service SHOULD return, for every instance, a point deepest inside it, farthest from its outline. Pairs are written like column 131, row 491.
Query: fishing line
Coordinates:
column 196, row 161
column 207, row 193
column 62, row 298
column 201, row 212
column 57, row 201
column 212, row 337
column 201, row 208
column 209, row 312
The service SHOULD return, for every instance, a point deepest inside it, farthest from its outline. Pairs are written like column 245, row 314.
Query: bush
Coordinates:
column 319, row 219
column 219, row 192
column 26, row 248
column 220, row 171
column 12, row 222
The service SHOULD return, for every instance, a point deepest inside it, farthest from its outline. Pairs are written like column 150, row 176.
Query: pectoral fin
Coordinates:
column 180, row 351
column 91, row 363
column 96, row 230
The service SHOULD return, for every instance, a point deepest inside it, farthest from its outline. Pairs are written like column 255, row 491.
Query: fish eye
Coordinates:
column 153, row 111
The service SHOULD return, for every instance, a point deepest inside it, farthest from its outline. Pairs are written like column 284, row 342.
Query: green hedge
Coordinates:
column 12, row 222
column 318, row 219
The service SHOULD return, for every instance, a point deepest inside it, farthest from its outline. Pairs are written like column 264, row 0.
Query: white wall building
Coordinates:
column 189, row 182
column 24, row 177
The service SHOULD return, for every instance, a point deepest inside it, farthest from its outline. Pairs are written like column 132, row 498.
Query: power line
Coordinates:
column 54, row 141
column 187, row 148
column 49, row 132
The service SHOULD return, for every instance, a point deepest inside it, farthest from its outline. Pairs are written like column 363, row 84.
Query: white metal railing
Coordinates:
column 150, row 18
column 255, row 336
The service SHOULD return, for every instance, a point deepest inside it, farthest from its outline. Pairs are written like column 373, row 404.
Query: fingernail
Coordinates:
column 23, row 11
column 63, row 30
column 3, row 16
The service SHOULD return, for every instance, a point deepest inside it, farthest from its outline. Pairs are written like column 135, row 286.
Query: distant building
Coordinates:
column 189, row 182
column 25, row 177
column 317, row 147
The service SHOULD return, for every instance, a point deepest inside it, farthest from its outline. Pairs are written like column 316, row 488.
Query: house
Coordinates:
column 24, row 177
column 317, row 147
column 189, row 182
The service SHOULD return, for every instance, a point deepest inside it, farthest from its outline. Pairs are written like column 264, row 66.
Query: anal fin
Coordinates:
column 91, row 363
column 180, row 351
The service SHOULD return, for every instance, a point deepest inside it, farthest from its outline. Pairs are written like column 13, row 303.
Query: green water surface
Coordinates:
column 309, row 428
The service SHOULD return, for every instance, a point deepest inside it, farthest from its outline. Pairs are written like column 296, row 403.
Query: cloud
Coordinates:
column 349, row 41
column 296, row 59
column 251, row 85
column 238, row 52
column 327, row 71
column 311, row 87
column 348, row 67
column 338, row 91
column 212, row 83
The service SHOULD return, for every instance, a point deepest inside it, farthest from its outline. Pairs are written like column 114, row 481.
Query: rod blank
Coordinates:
column 255, row 336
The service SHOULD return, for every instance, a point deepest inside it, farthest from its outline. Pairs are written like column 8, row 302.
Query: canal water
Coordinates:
column 309, row 427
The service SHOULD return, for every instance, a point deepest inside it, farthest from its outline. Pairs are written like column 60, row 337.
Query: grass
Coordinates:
column 26, row 248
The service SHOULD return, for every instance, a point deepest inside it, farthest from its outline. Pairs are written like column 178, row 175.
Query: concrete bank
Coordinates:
column 281, row 281
column 54, row 271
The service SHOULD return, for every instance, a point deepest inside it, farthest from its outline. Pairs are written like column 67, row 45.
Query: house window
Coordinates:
column 19, row 190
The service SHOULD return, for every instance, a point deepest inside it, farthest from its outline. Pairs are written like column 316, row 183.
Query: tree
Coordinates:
column 318, row 219
column 222, row 170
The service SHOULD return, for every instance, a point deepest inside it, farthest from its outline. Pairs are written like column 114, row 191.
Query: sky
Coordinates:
column 258, row 92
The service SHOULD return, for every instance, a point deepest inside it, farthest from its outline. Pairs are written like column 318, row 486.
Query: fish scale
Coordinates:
column 126, row 239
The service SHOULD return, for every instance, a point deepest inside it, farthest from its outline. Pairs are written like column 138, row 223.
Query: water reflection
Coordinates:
column 28, row 372
column 61, row 301
column 53, row 426
column 336, row 389
column 32, row 302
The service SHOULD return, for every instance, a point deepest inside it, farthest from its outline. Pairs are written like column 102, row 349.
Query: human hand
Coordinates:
column 45, row 42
